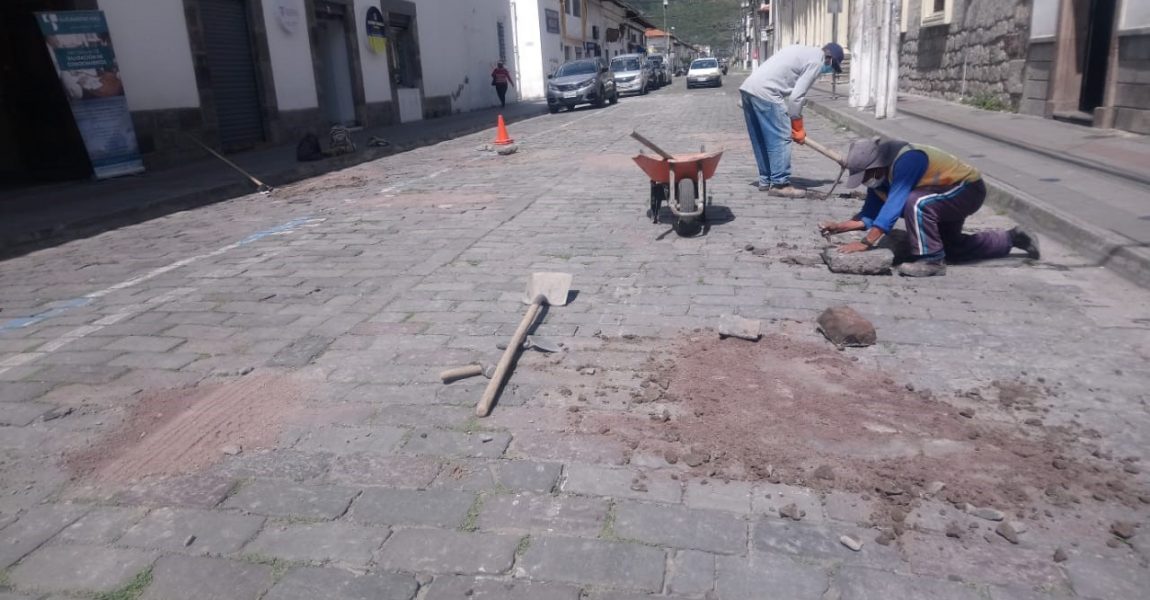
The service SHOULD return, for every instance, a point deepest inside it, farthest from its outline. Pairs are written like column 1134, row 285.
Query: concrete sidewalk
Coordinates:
column 1088, row 188
column 45, row 215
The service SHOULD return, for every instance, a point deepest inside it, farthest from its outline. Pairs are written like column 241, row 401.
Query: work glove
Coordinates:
column 798, row 134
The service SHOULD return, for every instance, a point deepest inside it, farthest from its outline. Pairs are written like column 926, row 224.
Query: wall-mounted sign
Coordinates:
column 552, row 20
column 376, row 31
column 288, row 15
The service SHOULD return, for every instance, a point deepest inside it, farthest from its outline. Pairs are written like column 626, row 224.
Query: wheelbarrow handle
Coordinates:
column 827, row 152
column 648, row 143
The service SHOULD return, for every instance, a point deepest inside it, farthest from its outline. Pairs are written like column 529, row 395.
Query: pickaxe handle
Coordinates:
column 827, row 152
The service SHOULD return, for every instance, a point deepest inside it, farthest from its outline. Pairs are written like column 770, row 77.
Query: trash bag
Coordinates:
column 308, row 148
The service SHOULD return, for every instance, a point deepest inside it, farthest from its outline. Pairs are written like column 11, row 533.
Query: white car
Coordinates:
column 704, row 71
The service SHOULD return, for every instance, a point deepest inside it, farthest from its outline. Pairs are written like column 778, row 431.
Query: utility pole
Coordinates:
column 757, row 55
column 886, row 80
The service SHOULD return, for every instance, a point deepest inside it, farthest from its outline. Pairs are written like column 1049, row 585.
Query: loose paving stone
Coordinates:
column 620, row 565
column 437, row 442
column 440, row 551
column 512, row 475
column 34, row 528
column 733, row 496
column 594, row 480
column 458, row 587
column 570, row 447
column 318, row 542
column 301, row 352
column 846, row 507
column 212, row 532
column 102, row 525
column 868, row 584
column 286, row 499
column 386, row 471
column 312, row 583
column 877, row 261
column 79, row 568
column 195, row 491
column 844, row 326
column 194, row 578
column 738, row 578
column 681, row 527
column 350, row 440
column 19, row 414
column 692, row 573
column 276, row 464
column 536, row 513
column 734, row 326
column 431, row 508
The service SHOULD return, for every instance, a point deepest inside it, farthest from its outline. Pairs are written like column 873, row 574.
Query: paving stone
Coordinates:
column 681, row 527
column 79, row 568
column 869, row 584
column 300, row 352
column 194, row 578
column 738, row 578
column 620, row 565
column 872, row 262
column 546, row 445
column 145, row 343
column 692, row 573
column 388, row 471
column 594, row 480
column 102, row 525
column 318, row 542
column 733, row 496
column 501, row 475
column 769, row 498
column 7, row 596
column 1019, row 593
column 19, row 414
column 1098, row 578
column 820, row 542
column 844, row 326
column 300, row 467
column 195, row 491
column 211, row 532
column 287, row 499
column 438, row 442
column 440, row 551
column 539, row 513
column 431, row 508
column 458, row 587
column 847, row 507
column 154, row 360
column 312, row 583
column 34, row 528
column 350, row 440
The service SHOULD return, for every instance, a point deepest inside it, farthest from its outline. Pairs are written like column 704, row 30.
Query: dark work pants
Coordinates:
column 501, row 89
column 934, row 217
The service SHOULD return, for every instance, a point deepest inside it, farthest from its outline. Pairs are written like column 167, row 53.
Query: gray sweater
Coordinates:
column 786, row 77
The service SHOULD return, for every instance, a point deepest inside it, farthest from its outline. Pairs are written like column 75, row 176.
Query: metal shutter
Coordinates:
column 232, row 72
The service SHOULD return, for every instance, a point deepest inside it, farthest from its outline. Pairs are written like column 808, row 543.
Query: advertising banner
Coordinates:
column 81, row 49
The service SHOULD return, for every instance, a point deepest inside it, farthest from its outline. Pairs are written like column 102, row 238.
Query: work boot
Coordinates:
column 1025, row 241
column 922, row 268
column 787, row 191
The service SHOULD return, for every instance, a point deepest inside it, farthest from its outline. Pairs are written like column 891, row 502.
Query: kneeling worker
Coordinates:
column 934, row 192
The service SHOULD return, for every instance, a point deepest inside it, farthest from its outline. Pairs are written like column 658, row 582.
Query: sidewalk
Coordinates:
column 1086, row 187
column 45, row 215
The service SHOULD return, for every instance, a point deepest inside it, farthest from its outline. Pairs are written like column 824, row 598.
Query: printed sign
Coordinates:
column 552, row 17
column 81, row 48
column 376, row 31
column 288, row 15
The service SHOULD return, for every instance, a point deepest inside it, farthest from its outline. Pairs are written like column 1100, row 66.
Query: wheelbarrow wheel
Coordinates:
column 685, row 196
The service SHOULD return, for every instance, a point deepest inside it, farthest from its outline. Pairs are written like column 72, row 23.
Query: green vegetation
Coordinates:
column 699, row 22
column 988, row 101
column 521, row 549
column 470, row 522
column 132, row 590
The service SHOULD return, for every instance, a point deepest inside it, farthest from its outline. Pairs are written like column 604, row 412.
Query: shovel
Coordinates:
column 542, row 288
column 831, row 154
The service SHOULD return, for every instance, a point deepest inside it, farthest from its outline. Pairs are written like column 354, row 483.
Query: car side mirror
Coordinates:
column 550, row 75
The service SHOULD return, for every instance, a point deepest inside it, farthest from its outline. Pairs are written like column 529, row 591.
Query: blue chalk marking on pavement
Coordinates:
column 67, row 305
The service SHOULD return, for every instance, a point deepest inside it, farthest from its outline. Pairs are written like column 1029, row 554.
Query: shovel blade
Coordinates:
column 552, row 287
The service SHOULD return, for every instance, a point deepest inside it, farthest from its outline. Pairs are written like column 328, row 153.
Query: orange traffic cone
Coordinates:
column 501, row 137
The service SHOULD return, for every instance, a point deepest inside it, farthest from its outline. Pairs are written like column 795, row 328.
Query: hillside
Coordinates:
column 709, row 22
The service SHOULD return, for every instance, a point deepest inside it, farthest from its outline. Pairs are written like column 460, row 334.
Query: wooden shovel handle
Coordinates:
column 504, row 365
column 827, row 152
column 461, row 373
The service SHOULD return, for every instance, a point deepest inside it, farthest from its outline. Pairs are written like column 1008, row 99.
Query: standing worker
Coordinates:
column 772, row 99
column 501, row 78
column 934, row 192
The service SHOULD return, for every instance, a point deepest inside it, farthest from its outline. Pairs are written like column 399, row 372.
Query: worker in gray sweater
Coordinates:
column 772, row 99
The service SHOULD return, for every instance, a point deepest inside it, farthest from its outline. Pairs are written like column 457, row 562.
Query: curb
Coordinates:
column 29, row 241
column 1103, row 248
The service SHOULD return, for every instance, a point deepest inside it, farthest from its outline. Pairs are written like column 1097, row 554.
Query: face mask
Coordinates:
column 873, row 182
column 827, row 69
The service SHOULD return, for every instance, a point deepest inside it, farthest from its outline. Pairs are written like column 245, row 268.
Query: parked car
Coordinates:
column 632, row 73
column 581, row 81
column 659, row 69
column 704, row 71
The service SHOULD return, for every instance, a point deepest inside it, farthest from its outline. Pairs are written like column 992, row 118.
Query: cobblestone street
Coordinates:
column 243, row 401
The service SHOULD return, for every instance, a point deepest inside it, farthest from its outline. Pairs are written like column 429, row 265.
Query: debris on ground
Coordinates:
column 231, row 449
column 851, row 543
column 844, row 326
column 877, row 261
column 1060, row 555
column 792, row 512
column 1123, row 529
column 744, row 329
column 1007, row 532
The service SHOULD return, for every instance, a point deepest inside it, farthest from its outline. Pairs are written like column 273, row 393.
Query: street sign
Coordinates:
column 834, row 6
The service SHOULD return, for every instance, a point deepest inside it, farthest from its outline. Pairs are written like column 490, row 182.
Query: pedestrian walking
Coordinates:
column 933, row 192
column 772, row 99
column 501, row 78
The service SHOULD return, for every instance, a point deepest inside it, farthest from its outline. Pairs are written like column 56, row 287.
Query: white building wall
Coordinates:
column 376, row 84
column 290, row 54
column 152, row 49
column 1043, row 19
column 1135, row 14
column 458, row 48
column 539, row 52
column 807, row 22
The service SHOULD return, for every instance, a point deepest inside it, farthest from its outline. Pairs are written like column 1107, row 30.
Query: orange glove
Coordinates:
column 797, row 132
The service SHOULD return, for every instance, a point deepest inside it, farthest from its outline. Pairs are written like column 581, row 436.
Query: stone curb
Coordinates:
column 12, row 245
column 1104, row 248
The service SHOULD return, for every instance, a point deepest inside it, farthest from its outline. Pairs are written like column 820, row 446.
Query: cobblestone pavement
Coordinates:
column 242, row 401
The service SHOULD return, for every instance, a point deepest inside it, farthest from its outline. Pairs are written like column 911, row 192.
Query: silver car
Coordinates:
column 632, row 73
column 581, row 81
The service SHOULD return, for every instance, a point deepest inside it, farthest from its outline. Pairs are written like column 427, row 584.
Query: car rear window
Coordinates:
column 705, row 64
column 586, row 67
column 625, row 64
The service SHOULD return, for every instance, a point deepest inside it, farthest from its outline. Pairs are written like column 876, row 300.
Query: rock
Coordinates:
column 423, row 579
column 1060, row 464
column 671, row 457
column 745, row 329
column 1033, row 422
column 639, row 487
column 889, row 488
column 825, row 472
column 1019, row 526
column 191, row 539
column 694, row 459
column 791, row 511
column 953, row 530
column 587, row 371
column 967, row 412
column 989, row 514
column 934, row 487
column 1007, row 532
column 57, row 413
column 877, row 261
column 844, row 326
column 1122, row 529
column 507, row 149
column 231, row 449
column 1060, row 555
column 1131, row 469
column 884, row 539
column 851, row 543
column 1113, row 543
column 485, row 438
column 749, row 247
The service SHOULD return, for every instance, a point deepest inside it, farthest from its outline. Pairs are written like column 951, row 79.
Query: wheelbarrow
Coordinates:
column 684, row 174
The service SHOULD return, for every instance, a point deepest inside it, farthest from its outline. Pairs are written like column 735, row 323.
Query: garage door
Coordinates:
column 232, row 72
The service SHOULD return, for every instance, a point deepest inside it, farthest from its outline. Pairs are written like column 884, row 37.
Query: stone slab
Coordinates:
column 594, row 480
column 318, row 542
column 211, row 532
column 1095, row 577
column 739, row 327
column 312, row 583
column 195, row 578
column 34, row 528
column 738, row 578
column 732, row 496
column 287, row 499
column 79, row 568
column 349, row 440
column 620, row 565
column 769, row 498
column 438, row 442
column 196, row 491
column 681, row 527
column 388, row 471
column 19, row 414
column 877, row 261
column 430, row 508
column 501, row 475
column 457, row 587
column 102, row 525
column 844, row 326
column 692, row 573
column 536, row 513
column 870, row 584
column 440, row 551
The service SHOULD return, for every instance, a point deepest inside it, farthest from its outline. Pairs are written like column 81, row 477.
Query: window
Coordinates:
column 936, row 12
column 573, row 7
column 499, row 31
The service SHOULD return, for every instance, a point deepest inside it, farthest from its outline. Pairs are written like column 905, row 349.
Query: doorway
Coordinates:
column 336, row 93
column 1099, row 34
column 234, row 85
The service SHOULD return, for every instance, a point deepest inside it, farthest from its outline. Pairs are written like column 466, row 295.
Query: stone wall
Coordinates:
column 989, row 37
column 1132, row 92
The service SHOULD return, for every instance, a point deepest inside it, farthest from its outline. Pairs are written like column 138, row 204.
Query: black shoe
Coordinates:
column 1025, row 241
